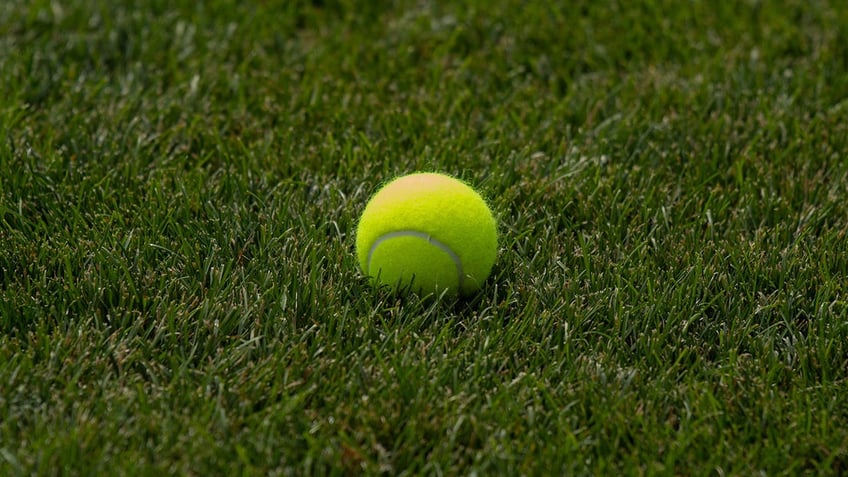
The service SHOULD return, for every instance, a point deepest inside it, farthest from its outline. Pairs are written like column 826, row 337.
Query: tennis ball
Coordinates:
column 427, row 232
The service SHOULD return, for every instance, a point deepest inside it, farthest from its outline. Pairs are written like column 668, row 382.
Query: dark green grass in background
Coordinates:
column 179, row 187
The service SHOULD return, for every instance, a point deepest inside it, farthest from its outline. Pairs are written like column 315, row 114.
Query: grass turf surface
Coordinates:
column 180, row 182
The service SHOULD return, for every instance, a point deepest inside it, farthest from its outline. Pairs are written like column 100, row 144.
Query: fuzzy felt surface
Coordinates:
column 431, row 205
column 411, row 261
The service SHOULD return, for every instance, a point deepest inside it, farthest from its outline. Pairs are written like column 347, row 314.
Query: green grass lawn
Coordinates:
column 179, row 188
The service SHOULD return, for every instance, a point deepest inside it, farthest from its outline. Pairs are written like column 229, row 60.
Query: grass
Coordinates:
column 180, row 183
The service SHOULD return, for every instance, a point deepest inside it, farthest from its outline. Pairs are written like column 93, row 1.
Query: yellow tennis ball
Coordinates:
column 427, row 232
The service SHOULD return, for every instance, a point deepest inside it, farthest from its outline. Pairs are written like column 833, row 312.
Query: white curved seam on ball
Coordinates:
column 421, row 235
